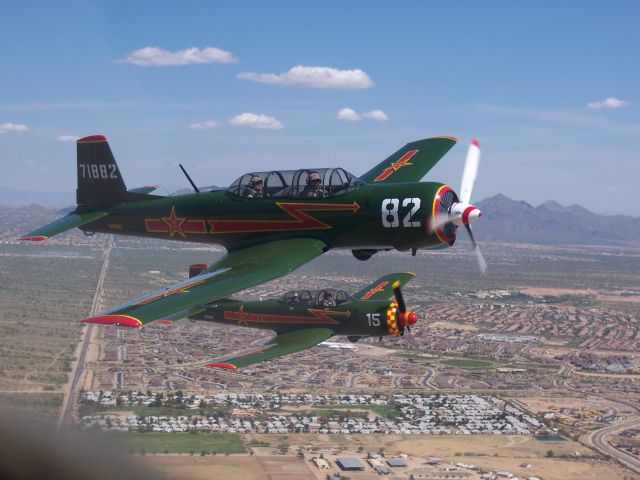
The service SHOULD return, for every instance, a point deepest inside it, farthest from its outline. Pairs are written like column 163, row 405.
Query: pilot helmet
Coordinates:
column 313, row 177
column 255, row 180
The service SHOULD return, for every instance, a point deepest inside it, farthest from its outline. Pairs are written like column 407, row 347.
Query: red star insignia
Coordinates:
column 242, row 316
column 175, row 223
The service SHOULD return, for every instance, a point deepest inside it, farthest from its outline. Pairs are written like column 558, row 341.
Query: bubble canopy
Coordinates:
column 306, row 182
column 327, row 297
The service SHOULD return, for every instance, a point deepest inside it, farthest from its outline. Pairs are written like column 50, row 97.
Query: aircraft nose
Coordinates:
column 471, row 214
column 464, row 214
column 408, row 319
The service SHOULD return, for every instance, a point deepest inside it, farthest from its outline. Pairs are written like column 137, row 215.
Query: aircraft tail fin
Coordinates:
column 100, row 187
column 100, row 184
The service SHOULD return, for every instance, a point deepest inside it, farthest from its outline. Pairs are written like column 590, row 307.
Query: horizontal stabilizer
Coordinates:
column 63, row 224
column 143, row 190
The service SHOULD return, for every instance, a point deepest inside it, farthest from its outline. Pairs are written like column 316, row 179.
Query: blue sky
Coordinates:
column 529, row 80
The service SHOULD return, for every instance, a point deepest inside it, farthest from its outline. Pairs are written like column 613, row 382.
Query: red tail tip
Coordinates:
column 92, row 139
column 475, row 142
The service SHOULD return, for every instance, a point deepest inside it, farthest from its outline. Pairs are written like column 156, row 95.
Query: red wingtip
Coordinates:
column 92, row 139
column 37, row 238
column 228, row 366
column 475, row 142
column 119, row 320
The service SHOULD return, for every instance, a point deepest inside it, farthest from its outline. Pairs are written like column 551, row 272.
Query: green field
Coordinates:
column 386, row 411
column 467, row 363
column 164, row 411
column 219, row 443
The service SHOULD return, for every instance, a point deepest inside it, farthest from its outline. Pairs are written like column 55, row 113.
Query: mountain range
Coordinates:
column 504, row 219
column 508, row 220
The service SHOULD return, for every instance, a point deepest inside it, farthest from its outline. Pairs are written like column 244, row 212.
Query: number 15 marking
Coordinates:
column 389, row 209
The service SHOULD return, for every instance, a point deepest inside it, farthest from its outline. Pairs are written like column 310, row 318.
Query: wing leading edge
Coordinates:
column 281, row 344
column 236, row 271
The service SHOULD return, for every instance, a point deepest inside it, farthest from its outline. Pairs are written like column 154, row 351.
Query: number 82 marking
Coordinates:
column 389, row 210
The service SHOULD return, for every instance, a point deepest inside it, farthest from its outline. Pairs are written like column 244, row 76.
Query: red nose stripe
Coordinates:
column 466, row 213
column 228, row 366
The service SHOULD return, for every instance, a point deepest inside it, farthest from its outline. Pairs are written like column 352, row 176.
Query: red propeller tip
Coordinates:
column 475, row 142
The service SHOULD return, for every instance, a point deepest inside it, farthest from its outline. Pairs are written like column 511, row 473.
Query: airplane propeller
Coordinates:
column 463, row 213
column 405, row 319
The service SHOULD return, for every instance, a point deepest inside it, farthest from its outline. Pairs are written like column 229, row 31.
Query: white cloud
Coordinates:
column 33, row 165
column 157, row 57
column 67, row 138
column 377, row 115
column 348, row 115
column 206, row 125
column 610, row 102
column 313, row 77
column 255, row 120
column 13, row 127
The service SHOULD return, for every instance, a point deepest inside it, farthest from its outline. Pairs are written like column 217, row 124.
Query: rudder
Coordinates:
column 99, row 181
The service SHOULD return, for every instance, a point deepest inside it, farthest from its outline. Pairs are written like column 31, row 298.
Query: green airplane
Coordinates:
column 304, row 318
column 271, row 223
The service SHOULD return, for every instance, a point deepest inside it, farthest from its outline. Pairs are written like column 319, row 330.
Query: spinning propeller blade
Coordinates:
column 404, row 318
column 463, row 213
column 470, row 171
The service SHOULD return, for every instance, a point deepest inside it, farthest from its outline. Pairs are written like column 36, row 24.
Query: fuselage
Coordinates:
column 376, row 216
column 357, row 318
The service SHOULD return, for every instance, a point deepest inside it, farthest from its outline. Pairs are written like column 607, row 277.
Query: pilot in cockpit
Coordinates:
column 314, row 188
column 294, row 298
column 254, row 188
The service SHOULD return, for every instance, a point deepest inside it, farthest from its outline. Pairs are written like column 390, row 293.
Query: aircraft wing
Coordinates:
column 382, row 289
column 281, row 344
column 411, row 162
column 237, row 270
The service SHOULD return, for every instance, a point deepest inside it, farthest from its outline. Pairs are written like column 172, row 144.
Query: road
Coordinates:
column 72, row 393
column 599, row 441
column 425, row 381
